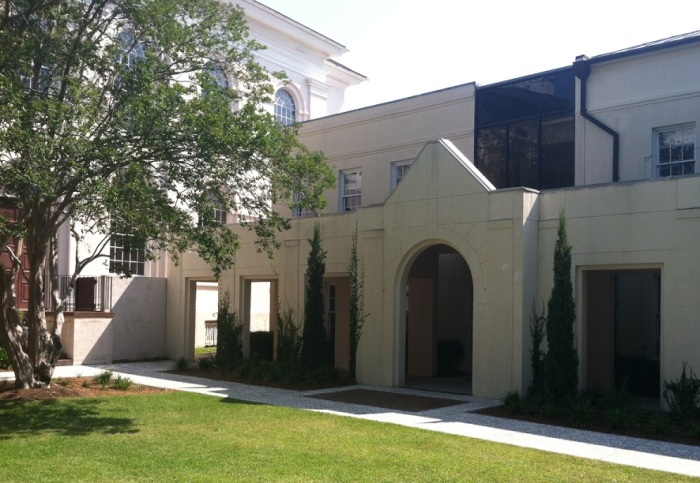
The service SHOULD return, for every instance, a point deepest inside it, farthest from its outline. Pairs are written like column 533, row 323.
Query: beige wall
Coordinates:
column 633, row 96
column 374, row 137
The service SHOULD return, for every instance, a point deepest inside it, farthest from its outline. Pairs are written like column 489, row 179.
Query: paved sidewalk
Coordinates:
column 458, row 419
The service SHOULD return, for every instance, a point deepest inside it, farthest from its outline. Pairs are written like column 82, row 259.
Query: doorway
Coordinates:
column 623, row 331
column 439, row 322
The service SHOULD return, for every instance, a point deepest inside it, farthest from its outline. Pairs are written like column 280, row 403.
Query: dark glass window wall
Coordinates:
column 525, row 131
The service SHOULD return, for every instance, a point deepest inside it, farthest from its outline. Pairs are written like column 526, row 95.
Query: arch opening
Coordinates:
column 438, row 322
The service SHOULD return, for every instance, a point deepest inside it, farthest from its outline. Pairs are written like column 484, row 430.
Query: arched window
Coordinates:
column 131, row 50
column 285, row 111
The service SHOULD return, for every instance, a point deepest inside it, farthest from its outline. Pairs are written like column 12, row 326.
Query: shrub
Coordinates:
column 229, row 342
column 655, row 422
column 561, row 361
column 261, row 344
column 683, row 394
column 122, row 383
column 103, row 378
column 181, row 364
column 289, row 341
column 4, row 359
column 513, row 402
column 620, row 417
column 580, row 411
column 315, row 349
column 357, row 302
column 206, row 363
column 537, row 333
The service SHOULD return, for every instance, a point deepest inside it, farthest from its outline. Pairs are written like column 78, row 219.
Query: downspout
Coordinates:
column 582, row 70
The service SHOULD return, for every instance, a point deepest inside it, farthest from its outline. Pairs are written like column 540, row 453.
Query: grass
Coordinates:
column 201, row 351
column 193, row 437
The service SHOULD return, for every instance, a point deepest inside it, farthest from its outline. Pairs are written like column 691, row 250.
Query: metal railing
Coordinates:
column 210, row 333
column 91, row 294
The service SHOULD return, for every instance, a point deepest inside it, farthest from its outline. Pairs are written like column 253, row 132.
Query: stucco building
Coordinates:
column 111, row 318
column 456, row 196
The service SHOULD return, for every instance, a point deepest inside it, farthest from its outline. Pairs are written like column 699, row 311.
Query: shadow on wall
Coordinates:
column 138, row 326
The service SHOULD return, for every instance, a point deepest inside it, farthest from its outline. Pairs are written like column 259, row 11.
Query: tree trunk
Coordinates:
column 44, row 349
column 12, row 335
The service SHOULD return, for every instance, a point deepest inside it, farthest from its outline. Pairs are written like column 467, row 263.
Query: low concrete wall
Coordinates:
column 87, row 337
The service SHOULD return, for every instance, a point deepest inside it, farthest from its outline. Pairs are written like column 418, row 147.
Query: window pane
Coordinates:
column 285, row 110
column 491, row 152
column 523, row 166
column 557, row 153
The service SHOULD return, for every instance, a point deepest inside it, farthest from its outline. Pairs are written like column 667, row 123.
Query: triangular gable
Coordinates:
column 440, row 170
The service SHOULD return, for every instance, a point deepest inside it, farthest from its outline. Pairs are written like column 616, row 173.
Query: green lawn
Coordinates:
column 188, row 437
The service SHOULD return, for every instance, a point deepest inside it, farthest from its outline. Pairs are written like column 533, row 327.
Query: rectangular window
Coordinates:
column 350, row 190
column 399, row 170
column 675, row 150
column 126, row 254
column 301, row 211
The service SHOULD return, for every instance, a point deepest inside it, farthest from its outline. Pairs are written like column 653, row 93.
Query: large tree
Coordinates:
column 113, row 118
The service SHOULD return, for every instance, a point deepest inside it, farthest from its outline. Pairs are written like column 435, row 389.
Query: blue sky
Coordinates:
column 407, row 47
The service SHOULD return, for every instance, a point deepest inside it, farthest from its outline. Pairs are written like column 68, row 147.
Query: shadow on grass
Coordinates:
column 75, row 417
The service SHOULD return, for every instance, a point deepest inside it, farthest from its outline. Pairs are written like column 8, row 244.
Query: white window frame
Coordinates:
column 134, row 258
column 666, row 168
column 301, row 211
column 285, row 114
column 399, row 169
column 350, row 198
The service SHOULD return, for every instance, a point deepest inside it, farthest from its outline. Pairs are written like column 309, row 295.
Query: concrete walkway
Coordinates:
column 458, row 419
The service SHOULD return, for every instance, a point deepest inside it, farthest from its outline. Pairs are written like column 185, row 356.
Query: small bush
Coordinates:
column 206, row 363
column 513, row 402
column 4, row 359
column 289, row 341
column 122, row 383
column 86, row 383
column 619, row 417
column 655, row 422
column 63, row 382
column 546, row 408
column 683, row 394
column 693, row 430
column 181, row 364
column 580, row 411
column 103, row 378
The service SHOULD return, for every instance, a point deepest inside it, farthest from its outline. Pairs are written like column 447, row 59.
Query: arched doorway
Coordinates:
column 439, row 322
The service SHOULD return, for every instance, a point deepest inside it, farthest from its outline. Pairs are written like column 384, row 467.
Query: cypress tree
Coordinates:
column 357, row 302
column 561, row 362
column 315, row 343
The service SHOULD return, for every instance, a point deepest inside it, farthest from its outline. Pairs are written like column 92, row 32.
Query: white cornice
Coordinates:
column 264, row 17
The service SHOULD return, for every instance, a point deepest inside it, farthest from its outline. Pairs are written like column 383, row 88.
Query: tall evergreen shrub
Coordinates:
column 315, row 351
column 357, row 302
column 229, row 337
column 561, row 361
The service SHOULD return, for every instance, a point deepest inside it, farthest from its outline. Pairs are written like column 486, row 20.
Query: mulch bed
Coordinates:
column 388, row 400
column 70, row 388
column 597, row 424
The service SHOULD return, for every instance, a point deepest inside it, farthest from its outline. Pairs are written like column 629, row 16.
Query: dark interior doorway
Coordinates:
column 439, row 322
column 624, row 331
